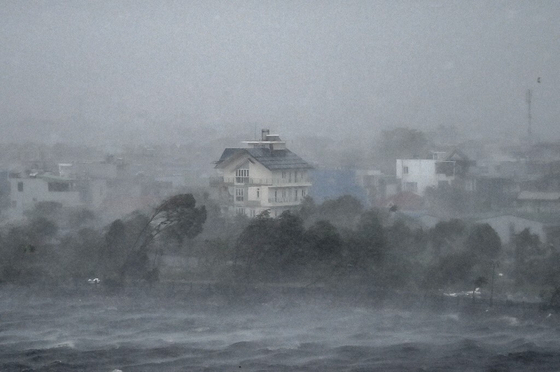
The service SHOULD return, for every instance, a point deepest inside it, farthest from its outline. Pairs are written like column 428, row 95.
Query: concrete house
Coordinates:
column 442, row 169
column 538, row 201
column 263, row 176
column 29, row 189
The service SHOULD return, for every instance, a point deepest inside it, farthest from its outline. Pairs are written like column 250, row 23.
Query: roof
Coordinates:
column 272, row 160
column 534, row 195
column 456, row 154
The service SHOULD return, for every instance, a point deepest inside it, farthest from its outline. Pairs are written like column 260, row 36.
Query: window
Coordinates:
column 283, row 174
column 239, row 194
column 252, row 213
column 405, row 170
column 59, row 186
column 20, row 186
column 303, row 193
column 295, row 176
column 242, row 176
column 258, row 193
column 275, row 195
column 240, row 211
column 296, row 194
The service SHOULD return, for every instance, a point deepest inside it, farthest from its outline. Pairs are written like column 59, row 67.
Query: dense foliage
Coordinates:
column 336, row 242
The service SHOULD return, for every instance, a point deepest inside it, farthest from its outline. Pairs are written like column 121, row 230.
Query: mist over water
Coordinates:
column 146, row 330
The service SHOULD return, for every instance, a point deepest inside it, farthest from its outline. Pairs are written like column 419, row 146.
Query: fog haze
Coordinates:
column 88, row 71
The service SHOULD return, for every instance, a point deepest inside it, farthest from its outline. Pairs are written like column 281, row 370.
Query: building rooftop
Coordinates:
column 271, row 159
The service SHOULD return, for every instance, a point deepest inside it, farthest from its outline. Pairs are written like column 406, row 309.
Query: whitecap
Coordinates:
column 510, row 320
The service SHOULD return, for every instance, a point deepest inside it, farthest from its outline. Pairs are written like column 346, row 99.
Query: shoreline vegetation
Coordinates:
column 338, row 250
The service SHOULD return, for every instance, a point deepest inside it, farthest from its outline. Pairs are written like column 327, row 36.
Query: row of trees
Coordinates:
column 56, row 244
column 374, row 248
column 339, row 241
column 336, row 241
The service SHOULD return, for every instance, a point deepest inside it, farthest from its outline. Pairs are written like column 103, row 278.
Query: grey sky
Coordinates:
column 295, row 66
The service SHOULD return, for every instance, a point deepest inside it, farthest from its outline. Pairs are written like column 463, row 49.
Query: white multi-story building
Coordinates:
column 26, row 190
column 263, row 176
column 77, row 184
column 416, row 175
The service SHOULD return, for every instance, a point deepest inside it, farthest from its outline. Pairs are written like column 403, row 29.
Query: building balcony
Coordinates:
column 283, row 201
column 277, row 182
column 241, row 202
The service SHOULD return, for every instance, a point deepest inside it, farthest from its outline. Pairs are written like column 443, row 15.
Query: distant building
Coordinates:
column 441, row 170
column 76, row 184
column 264, row 176
column 538, row 201
column 378, row 186
column 26, row 190
column 334, row 183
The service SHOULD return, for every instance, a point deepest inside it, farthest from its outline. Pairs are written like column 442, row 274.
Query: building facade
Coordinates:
column 441, row 170
column 263, row 176
column 28, row 190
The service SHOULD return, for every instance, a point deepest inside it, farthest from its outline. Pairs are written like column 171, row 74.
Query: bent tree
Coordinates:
column 177, row 215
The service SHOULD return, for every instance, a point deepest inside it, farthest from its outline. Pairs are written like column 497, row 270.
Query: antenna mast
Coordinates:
column 529, row 128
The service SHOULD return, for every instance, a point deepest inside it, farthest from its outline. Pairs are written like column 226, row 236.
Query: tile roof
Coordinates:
column 272, row 160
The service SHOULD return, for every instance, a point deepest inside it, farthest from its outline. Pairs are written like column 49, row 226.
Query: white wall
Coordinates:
column 420, row 171
column 36, row 190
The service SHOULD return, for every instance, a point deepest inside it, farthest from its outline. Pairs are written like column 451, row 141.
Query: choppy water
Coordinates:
column 143, row 332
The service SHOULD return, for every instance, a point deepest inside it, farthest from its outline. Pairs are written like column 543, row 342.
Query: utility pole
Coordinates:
column 494, row 265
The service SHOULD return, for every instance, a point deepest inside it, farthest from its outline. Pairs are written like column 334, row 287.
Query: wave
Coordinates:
column 141, row 333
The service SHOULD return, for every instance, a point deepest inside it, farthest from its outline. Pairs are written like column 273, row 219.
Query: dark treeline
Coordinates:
column 338, row 242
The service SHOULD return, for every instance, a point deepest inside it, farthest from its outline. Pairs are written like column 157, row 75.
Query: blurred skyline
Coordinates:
column 94, row 71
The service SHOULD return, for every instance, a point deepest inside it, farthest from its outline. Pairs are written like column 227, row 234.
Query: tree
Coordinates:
column 483, row 241
column 446, row 234
column 367, row 246
column 27, row 252
column 115, row 249
column 46, row 209
column 307, row 207
column 289, row 237
column 254, row 246
column 323, row 242
column 343, row 211
column 403, row 259
column 178, row 214
column 528, row 257
column 80, row 254
column 77, row 218
column 451, row 269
